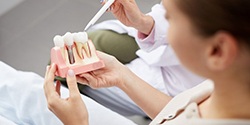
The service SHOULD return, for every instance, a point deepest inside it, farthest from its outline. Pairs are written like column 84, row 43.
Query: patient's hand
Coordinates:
column 72, row 110
column 113, row 74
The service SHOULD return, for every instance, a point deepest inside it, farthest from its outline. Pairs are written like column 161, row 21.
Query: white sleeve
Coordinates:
column 155, row 49
column 157, row 37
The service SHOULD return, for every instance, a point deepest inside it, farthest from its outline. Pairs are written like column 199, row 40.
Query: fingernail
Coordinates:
column 53, row 64
column 101, row 1
column 71, row 73
column 47, row 68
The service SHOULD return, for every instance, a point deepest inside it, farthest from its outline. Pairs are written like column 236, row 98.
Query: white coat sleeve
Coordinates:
column 157, row 37
column 155, row 50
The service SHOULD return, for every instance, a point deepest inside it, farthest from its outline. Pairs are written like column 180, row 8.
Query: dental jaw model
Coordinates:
column 76, row 52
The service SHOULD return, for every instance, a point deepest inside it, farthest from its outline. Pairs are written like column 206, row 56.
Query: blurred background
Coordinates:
column 27, row 28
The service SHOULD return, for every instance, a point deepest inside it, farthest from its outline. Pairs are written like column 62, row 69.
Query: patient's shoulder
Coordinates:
column 181, row 101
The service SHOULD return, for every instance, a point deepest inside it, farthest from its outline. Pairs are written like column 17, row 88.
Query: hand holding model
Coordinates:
column 116, row 74
column 113, row 74
column 72, row 110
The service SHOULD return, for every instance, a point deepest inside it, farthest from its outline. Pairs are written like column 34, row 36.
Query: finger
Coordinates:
column 47, row 71
column 72, row 84
column 86, row 76
column 45, row 81
column 90, row 79
column 100, row 53
column 49, row 80
column 58, row 87
column 98, row 72
column 81, row 80
column 51, row 72
column 46, row 78
column 103, row 55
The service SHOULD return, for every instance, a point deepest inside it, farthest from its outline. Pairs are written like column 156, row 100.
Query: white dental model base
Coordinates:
column 76, row 52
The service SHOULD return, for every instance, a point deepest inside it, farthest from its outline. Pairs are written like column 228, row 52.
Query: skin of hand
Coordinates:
column 110, row 75
column 130, row 15
column 72, row 110
column 116, row 74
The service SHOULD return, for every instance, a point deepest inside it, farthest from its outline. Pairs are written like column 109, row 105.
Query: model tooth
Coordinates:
column 79, row 45
column 68, row 39
column 86, row 48
column 79, row 49
column 84, row 39
column 80, row 37
column 58, row 41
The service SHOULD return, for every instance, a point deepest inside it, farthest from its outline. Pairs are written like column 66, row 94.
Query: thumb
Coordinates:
column 72, row 84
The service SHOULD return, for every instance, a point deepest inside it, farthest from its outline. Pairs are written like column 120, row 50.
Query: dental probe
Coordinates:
column 99, row 14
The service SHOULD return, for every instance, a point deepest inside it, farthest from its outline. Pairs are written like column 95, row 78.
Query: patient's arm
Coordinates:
column 114, row 73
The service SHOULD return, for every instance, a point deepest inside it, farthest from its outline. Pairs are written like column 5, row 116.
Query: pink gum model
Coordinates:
column 80, row 66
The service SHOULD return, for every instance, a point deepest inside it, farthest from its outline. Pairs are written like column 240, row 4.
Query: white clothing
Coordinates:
column 188, row 103
column 23, row 102
column 157, row 65
column 5, row 121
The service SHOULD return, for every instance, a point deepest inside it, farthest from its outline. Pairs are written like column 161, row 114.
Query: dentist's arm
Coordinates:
column 150, row 100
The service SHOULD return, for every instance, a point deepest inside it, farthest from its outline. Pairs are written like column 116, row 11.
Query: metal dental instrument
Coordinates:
column 99, row 14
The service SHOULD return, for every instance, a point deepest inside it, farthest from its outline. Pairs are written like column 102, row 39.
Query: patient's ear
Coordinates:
column 222, row 51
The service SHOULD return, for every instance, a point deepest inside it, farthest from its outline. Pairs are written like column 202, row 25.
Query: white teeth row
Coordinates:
column 70, row 38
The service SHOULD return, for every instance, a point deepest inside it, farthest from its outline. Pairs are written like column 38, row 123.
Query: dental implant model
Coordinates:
column 74, row 51
column 69, row 41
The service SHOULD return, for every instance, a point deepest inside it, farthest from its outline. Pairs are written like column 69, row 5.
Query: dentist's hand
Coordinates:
column 129, row 14
column 113, row 74
column 72, row 110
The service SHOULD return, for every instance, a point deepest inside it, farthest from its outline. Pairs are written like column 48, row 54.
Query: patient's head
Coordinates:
column 211, row 16
column 211, row 37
